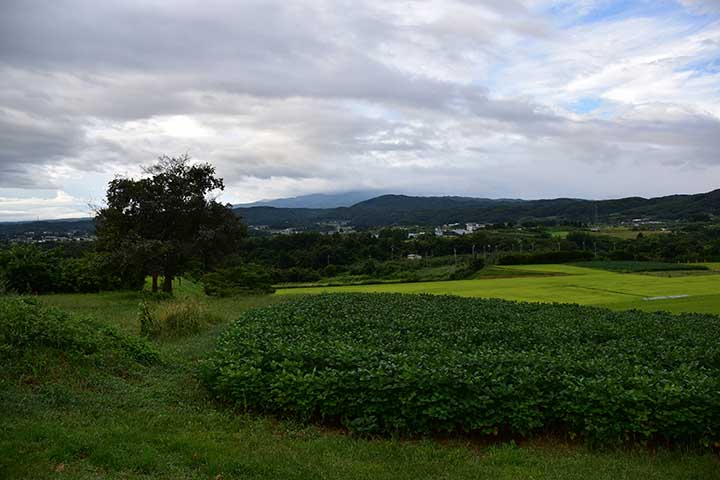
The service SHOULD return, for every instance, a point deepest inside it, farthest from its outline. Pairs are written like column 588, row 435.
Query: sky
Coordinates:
column 493, row 98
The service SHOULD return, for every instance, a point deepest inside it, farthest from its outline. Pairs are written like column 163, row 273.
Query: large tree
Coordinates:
column 163, row 221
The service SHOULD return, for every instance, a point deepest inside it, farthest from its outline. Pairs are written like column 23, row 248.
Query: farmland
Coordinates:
column 80, row 420
column 386, row 363
column 572, row 284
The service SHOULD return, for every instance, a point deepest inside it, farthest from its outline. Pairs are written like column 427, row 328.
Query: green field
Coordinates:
column 626, row 233
column 578, row 285
column 397, row 363
column 159, row 422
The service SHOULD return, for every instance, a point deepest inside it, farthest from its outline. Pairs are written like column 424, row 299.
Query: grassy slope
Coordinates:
column 160, row 424
column 579, row 285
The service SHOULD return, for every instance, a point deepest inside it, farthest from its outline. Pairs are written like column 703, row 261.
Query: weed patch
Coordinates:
column 175, row 318
column 36, row 340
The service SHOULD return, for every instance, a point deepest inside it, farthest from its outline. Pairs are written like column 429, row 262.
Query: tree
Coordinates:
column 160, row 223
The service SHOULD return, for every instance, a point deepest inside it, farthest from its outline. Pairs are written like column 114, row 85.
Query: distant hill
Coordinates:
column 389, row 210
column 316, row 200
column 65, row 225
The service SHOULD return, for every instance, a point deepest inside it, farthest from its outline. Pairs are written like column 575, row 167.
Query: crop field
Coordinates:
column 700, row 293
column 627, row 233
column 387, row 363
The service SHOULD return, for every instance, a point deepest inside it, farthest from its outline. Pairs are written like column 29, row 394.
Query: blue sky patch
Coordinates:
column 586, row 105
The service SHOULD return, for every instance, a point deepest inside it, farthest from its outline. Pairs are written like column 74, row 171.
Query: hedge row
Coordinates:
column 562, row 256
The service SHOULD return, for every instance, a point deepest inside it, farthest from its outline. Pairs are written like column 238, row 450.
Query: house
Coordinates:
column 472, row 226
column 414, row 256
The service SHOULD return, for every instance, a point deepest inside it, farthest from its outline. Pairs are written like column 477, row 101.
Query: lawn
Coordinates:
column 160, row 423
column 578, row 285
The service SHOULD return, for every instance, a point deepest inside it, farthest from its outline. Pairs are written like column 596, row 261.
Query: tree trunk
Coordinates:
column 154, row 282
column 167, row 283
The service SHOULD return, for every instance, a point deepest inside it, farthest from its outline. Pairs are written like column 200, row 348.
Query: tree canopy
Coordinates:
column 164, row 222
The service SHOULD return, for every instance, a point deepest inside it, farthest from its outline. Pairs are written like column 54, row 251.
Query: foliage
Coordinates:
column 310, row 257
column 420, row 364
column 32, row 269
column 634, row 266
column 165, row 221
column 545, row 257
column 238, row 280
column 174, row 318
column 33, row 336
column 468, row 269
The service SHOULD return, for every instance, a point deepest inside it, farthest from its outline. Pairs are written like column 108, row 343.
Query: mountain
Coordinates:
column 60, row 226
column 389, row 210
column 315, row 200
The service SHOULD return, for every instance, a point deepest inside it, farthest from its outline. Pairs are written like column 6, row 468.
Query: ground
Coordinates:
column 571, row 284
column 160, row 423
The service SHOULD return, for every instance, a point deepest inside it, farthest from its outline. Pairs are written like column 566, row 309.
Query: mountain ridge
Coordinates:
column 391, row 209
column 404, row 210
column 316, row 200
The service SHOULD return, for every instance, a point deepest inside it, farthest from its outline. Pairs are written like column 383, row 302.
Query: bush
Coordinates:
column 32, row 335
column 174, row 318
column 563, row 256
column 294, row 274
column 419, row 364
column 238, row 280
column 31, row 269
column 633, row 266
column 468, row 269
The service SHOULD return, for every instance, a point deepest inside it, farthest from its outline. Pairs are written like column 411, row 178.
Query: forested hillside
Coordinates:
column 388, row 210
column 405, row 210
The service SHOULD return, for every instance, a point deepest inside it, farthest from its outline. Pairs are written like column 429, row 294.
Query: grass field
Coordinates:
column 578, row 285
column 160, row 423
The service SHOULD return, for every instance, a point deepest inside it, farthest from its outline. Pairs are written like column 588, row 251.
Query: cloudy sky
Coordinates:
column 492, row 98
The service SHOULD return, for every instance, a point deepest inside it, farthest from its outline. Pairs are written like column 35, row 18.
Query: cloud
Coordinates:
column 291, row 97
column 702, row 6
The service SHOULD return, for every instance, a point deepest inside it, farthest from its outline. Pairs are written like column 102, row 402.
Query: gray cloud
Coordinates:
column 295, row 96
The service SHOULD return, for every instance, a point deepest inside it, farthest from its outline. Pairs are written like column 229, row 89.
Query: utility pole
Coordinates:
column 455, row 255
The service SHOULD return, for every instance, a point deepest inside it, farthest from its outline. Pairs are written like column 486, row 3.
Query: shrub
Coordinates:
column 468, row 269
column 295, row 274
column 633, row 266
column 31, row 269
column 31, row 334
column 174, row 318
column 237, row 281
column 420, row 364
column 563, row 256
